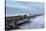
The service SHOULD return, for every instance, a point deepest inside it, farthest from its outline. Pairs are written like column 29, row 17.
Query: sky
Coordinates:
column 21, row 7
column 28, row 0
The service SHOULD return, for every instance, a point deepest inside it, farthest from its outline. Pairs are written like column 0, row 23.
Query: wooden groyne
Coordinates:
column 14, row 21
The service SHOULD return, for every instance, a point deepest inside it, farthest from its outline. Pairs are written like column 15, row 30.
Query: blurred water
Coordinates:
column 37, row 23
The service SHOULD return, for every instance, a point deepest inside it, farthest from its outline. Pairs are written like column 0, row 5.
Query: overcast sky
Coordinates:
column 21, row 7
